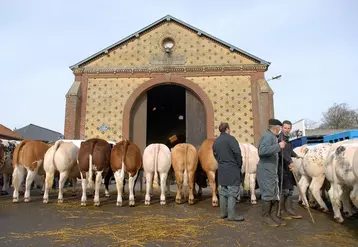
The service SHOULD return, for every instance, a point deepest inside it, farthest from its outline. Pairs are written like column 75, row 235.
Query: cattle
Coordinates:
column 28, row 155
column 156, row 159
column 7, row 148
column 313, row 173
column 210, row 166
column 93, row 159
column 339, row 167
column 185, row 162
column 61, row 157
column 125, row 158
column 250, row 159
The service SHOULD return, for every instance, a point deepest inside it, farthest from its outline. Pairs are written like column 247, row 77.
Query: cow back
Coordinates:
column 28, row 152
column 100, row 151
column 206, row 156
column 129, row 153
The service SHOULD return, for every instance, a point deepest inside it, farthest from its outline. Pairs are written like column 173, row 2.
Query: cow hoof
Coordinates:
column 348, row 215
column 45, row 201
column 27, row 199
column 253, row 202
column 215, row 204
column 162, row 202
column 60, row 201
column 324, row 210
column 96, row 204
column 178, row 201
column 42, row 193
column 107, row 195
column 191, row 201
column 15, row 199
column 119, row 204
column 4, row 193
column 83, row 204
column 74, row 193
column 131, row 203
column 146, row 202
column 339, row 219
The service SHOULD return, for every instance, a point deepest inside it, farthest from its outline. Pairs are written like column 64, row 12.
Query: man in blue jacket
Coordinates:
column 228, row 155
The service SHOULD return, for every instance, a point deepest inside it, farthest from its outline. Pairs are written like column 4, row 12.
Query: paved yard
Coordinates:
column 68, row 224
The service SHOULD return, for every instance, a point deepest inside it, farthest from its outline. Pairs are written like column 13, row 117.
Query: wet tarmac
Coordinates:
column 69, row 224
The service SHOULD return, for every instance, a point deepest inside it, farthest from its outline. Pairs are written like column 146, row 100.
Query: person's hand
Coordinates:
column 282, row 144
column 291, row 166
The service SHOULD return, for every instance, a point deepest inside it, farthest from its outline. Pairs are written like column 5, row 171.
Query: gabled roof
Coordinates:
column 35, row 132
column 6, row 132
column 169, row 18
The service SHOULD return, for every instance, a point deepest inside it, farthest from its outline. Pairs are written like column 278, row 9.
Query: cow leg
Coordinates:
column 167, row 188
column 29, row 179
column 347, row 208
column 84, row 190
column 335, row 194
column 211, row 177
column 163, row 182
column 252, row 188
column 63, row 178
column 148, row 184
column 131, row 181
column 304, row 183
column 97, row 187
column 119, row 177
column 17, row 178
column 179, row 179
column 48, row 184
column 5, row 179
column 107, row 180
column 191, row 186
column 315, row 188
column 354, row 195
column 74, row 186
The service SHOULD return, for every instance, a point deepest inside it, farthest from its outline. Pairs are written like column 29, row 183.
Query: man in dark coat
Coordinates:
column 227, row 152
column 286, row 178
column 267, row 177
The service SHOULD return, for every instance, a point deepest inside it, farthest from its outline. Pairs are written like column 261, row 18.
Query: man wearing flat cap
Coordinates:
column 267, row 177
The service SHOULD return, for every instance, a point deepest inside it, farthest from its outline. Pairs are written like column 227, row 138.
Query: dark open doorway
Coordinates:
column 166, row 114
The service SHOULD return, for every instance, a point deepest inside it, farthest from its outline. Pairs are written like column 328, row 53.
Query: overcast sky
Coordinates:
column 312, row 44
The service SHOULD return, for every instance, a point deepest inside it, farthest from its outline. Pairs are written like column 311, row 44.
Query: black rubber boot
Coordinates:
column 274, row 216
column 266, row 214
column 290, row 210
column 231, row 206
column 223, row 207
column 284, row 214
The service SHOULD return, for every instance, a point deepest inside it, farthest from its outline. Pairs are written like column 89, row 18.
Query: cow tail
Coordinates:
column 16, row 175
column 156, row 154
column 90, row 172
column 55, row 147
column 185, row 177
column 125, row 148
column 246, row 165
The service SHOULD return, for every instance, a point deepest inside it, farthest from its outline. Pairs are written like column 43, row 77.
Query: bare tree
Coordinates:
column 339, row 116
column 311, row 124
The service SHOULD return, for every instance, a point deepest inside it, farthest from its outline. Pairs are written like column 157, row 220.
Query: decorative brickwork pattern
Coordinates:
column 105, row 103
column 232, row 102
column 197, row 50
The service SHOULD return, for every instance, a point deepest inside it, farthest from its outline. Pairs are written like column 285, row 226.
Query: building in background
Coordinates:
column 8, row 134
column 129, row 89
column 35, row 132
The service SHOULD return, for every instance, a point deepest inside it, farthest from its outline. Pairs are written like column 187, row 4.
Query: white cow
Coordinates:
column 250, row 159
column 339, row 171
column 156, row 159
column 61, row 157
column 6, row 168
column 313, row 173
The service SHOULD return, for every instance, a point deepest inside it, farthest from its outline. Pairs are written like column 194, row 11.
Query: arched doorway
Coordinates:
column 198, row 119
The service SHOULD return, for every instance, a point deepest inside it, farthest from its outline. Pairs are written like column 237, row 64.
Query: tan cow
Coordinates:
column 185, row 162
column 93, row 156
column 28, row 155
column 126, row 157
column 210, row 166
column 61, row 157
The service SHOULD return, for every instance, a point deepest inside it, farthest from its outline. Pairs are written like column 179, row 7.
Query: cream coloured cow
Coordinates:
column 339, row 167
column 312, row 172
column 250, row 159
column 61, row 157
column 156, row 159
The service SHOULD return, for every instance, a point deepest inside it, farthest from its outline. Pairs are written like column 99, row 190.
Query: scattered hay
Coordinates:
column 337, row 237
column 136, row 231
